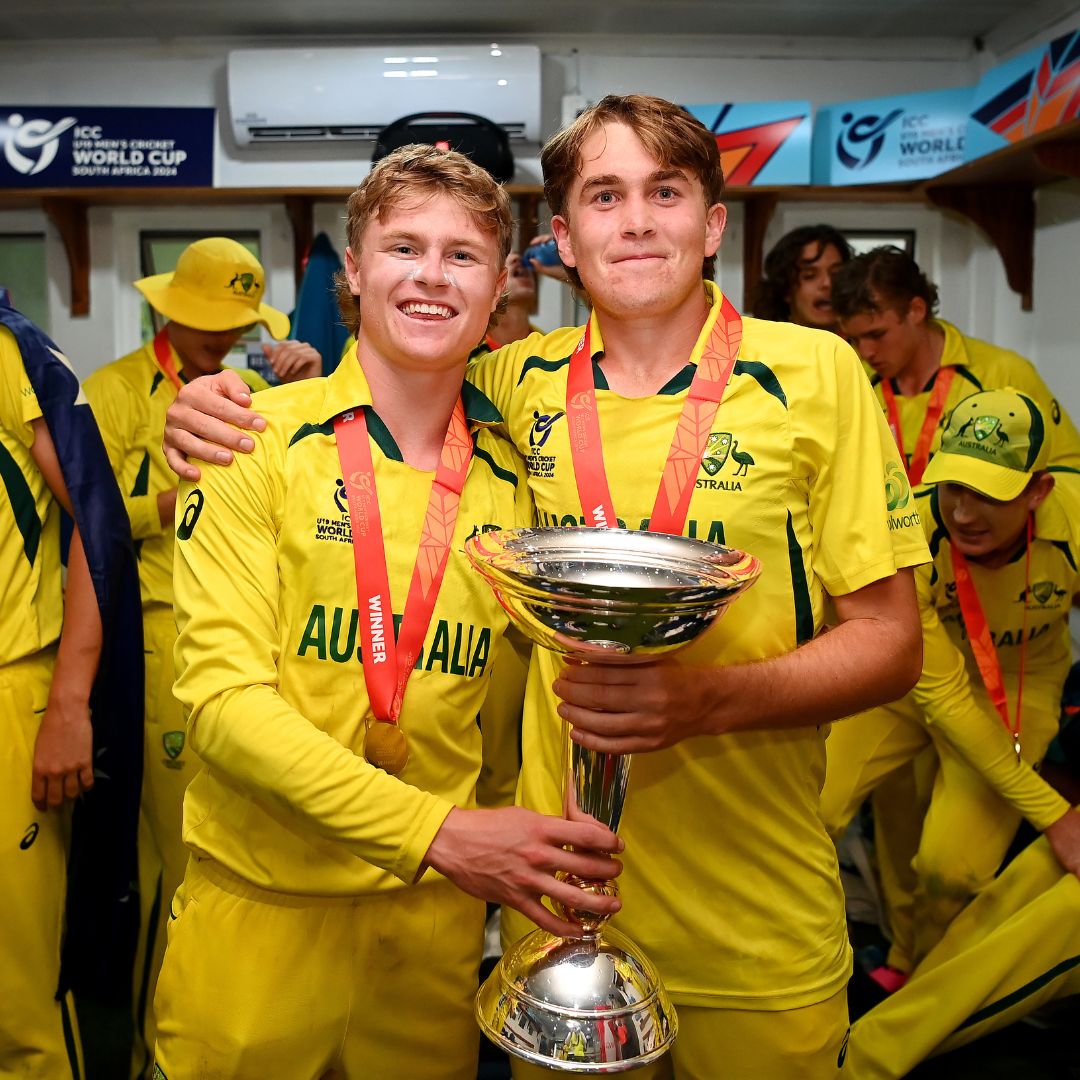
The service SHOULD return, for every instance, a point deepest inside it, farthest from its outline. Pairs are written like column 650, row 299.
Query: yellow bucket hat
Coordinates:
column 217, row 285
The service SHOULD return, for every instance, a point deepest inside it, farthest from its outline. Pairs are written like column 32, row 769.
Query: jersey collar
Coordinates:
column 347, row 388
column 954, row 352
column 716, row 298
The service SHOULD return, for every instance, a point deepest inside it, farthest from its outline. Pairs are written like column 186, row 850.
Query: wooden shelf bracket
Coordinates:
column 69, row 216
column 1006, row 214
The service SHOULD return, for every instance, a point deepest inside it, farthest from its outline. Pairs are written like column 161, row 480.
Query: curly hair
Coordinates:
column 886, row 277
column 421, row 172
column 785, row 262
column 668, row 132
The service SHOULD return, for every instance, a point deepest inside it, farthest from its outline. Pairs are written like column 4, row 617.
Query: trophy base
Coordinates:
column 595, row 1005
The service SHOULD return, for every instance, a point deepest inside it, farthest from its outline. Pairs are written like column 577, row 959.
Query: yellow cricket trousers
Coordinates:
column 967, row 828
column 39, row 1036
column 1015, row 947
column 258, row 984
column 168, row 766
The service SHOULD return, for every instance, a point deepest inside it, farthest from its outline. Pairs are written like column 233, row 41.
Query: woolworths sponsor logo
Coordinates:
column 332, row 634
column 897, row 488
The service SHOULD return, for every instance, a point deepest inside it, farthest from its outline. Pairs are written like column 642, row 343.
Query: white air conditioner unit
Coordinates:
column 293, row 95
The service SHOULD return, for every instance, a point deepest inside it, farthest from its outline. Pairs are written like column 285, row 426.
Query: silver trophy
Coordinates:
column 595, row 1004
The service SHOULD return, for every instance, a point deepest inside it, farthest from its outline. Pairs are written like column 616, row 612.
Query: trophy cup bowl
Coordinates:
column 596, row 1004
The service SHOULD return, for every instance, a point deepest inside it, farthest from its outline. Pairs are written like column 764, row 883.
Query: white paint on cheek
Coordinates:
column 450, row 279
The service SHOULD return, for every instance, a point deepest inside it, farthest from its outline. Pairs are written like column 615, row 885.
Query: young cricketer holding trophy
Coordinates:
column 790, row 457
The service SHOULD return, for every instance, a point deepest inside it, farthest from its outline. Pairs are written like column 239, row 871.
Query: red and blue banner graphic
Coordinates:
column 890, row 139
column 1034, row 92
column 760, row 144
column 76, row 146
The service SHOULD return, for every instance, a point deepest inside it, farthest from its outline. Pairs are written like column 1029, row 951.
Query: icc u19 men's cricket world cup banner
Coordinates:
column 75, row 146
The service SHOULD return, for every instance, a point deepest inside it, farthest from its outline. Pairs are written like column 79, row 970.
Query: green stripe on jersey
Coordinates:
column 804, row 609
column 765, row 377
column 498, row 470
column 22, row 503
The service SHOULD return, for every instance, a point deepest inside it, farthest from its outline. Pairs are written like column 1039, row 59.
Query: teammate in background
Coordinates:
column 922, row 364
column 51, row 645
column 797, row 285
column 302, row 848
column 1005, row 540
column 210, row 301
column 922, row 367
column 793, row 467
column 512, row 322
column 1015, row 948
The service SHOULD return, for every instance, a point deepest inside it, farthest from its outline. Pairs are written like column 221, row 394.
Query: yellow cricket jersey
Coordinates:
column 951, row 692
column 730, row 880
column 130, row 397
column 32, row 611
column 982, row 366
column 269, row 662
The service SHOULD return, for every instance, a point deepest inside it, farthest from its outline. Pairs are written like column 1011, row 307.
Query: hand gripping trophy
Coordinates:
column 596, row 1004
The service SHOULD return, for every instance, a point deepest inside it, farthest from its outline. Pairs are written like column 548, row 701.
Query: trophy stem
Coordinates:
column 598, row 783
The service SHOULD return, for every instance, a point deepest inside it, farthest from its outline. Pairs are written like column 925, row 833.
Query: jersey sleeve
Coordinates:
column 18, row 402
column 227, row 591
column 862, row 510
column 115, row 406
column 944, row 694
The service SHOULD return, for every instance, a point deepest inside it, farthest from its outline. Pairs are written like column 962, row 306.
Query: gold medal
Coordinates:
column 385, row 747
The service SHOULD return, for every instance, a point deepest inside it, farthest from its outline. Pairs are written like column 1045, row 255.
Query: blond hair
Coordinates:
column 421, row 172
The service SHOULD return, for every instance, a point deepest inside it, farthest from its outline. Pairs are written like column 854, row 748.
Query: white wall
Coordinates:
column 690, row 70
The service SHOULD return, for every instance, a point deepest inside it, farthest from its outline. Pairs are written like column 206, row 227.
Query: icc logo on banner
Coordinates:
column 41, row 138
column 860, row 141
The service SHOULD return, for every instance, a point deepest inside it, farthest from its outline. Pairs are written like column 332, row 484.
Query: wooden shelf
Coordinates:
column 996, row 193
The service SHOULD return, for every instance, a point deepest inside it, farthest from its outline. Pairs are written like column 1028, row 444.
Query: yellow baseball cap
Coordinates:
column 994, row 441
column 217, row 285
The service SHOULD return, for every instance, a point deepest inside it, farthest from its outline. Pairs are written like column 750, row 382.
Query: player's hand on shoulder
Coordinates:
column 207, row 422
column 63, row 754
column 512, row 856
column 633, row 707
column 292, row 361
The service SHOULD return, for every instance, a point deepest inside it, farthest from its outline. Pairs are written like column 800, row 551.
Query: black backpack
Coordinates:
column 476, row 137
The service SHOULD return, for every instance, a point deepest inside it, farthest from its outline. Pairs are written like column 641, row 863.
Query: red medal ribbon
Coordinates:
column 388, row 662
column 982, row 644
column 938, row 396
column 491, row 344
column 687, row 446
column 163, row 355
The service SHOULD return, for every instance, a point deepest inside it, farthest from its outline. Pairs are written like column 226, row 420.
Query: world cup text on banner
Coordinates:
column 1034, row 92
column 891, row 139
column 762, row 143
column 75, row 146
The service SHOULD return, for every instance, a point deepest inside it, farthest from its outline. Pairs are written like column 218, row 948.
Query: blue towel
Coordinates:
column 316, row 318
column 102, row 911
